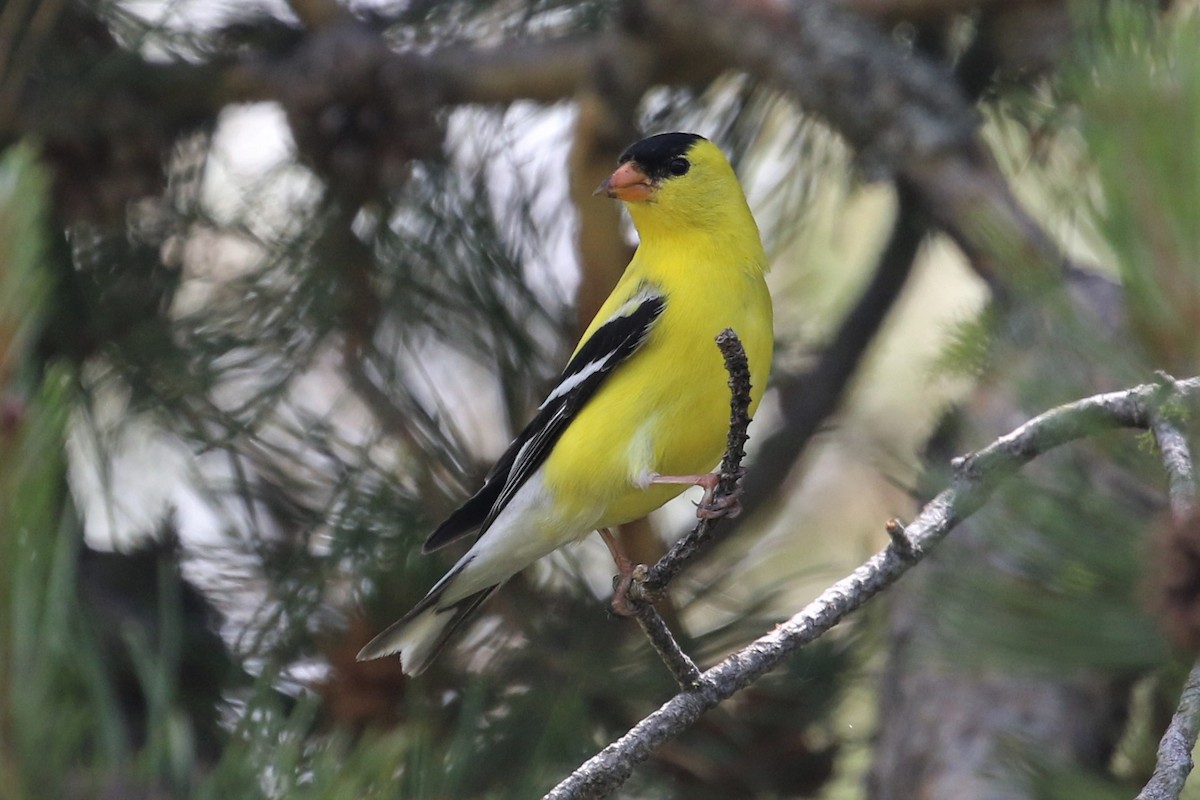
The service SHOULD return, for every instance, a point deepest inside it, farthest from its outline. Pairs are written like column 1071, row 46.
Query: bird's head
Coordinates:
column 676, row 180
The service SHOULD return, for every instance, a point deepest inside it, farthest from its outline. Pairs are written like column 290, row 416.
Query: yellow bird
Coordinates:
column 641, row 410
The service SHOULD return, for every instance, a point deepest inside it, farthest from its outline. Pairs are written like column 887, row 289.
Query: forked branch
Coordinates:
column 975, row 477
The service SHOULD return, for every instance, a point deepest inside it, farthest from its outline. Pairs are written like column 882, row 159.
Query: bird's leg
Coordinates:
column 729, row 505
column 620, row 600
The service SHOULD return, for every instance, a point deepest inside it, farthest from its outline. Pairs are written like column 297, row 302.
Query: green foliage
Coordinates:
column 1054, row 581
column 309, row 381
column 1138, row 86
column 23, row 282
column 968, row 351
column 1049, row 578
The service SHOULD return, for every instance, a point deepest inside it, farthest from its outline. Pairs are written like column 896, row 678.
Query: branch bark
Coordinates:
column 1177, row 459
column 975, row 477
column 649, row 583
column 903, row 113
column 1175, row 749
column 1174, row 761
column 648, row 588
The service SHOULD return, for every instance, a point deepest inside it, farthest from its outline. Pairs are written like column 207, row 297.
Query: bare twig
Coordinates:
column 701, row 536
column 807, row 399
column 975, row 477
column 1175, row 749
column 649, row 583
column 1176, row 457
column 681, row 666
column 1174, row 762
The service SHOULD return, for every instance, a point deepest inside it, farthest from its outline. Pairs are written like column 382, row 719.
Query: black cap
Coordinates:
column 655, row 154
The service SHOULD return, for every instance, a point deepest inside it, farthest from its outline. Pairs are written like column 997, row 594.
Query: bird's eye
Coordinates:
column 679, row 166
column 624, row 157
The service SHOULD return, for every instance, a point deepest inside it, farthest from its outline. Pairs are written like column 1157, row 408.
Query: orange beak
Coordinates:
column 628, row 183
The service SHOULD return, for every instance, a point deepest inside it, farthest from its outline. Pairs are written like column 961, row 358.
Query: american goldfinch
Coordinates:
column 641, row 410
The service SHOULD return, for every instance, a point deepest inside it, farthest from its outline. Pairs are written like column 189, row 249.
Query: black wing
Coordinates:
column 612, row 344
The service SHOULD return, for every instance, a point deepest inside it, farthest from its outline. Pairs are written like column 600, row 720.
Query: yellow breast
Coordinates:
column 666, row 410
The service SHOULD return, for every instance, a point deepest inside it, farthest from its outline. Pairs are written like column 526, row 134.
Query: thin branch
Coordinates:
column 1175, row 750
column 975, row 477
column 1174, row 762
column 903, row 113
column 1177, row 459
column 649, row 583
column 807, row 399
column 701, row 536
column 685, row 671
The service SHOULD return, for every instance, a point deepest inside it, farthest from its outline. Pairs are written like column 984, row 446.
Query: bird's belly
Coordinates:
column 631, row 430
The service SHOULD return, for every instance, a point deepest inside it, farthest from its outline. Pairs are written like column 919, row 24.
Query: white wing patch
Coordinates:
column 589, row 369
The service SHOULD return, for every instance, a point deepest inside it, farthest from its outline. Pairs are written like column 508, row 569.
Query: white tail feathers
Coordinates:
column 415, row 640
column 423, row 632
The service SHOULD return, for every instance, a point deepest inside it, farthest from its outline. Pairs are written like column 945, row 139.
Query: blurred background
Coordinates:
column 279, row 282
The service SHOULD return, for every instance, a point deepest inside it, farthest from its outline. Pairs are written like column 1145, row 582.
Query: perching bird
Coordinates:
column 641, row 410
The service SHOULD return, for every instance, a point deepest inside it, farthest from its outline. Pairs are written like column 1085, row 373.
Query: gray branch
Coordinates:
column 701, row 537
column 649, row 583
column 1174, row 762
column 1176, row 456
column 1175, row 750
column 680, row 664
column 975, row 477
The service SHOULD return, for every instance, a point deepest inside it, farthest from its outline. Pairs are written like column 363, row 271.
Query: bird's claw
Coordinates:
column 621, row 605
column 727, row 505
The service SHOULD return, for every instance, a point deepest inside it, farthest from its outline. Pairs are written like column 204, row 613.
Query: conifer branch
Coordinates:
column 976, row 476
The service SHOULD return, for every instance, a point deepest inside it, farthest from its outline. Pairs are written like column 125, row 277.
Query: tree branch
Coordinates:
column 318, row 14
column 809, row 398
column 649, row 583
column 904, row 115
column 648, row 588
column 685, row 671
column 1175, row 749
column 1177, row 459
column 975, row 477
column 1174, row 761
